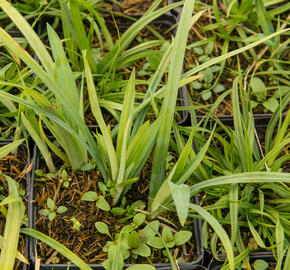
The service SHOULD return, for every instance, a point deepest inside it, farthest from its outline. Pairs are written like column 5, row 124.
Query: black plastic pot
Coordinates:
column 265, row 256
column 32, row 210
column 22, row 149
column 261, row 120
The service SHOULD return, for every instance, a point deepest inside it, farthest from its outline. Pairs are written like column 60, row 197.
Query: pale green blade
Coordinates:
column 247, row 177
column 219, row 230
column 14, row 218
column 57, row 246
column 169, row 103
column 5, row 150
column 124, row 131
column 96, row 110
column 32, row 38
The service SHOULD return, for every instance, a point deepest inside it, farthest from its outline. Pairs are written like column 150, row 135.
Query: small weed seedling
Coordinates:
column 76, row 224
column 64, row 179
column 101, row 202
column 134, row 242
column 205, row 82
column 261, row 94
column 43, row 176
column 128, row 210
column 52, row 209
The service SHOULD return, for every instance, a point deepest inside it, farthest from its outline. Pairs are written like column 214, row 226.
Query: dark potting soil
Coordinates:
column 135, row 7
column 87, row 242
column 14, row 166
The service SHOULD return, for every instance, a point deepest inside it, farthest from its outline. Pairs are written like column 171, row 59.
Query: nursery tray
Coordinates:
column 32, row 242
column 24, row 151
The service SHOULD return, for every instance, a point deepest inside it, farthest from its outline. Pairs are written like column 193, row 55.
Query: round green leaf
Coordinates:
column 50, row 203
column 117, row 211
column 61, row 209
column 142, row 250
column 260, row 265
column 219, row 88
column 196, row 85
column 257, row 85
column 167, row 235
column 139, row 219
column 182, row 237
column 102, row 204
column 155, row 242
column 198, row 50
column 206, row 95
column 271, row 104
column 133, row 240
column 102, row 228
column 51, row 216
column 90, row 196
column 44, row 212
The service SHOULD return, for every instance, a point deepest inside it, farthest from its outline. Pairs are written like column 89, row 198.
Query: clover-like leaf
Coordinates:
column 133, row 240
column 50, row 204
column 103, row 204
column 271, row 104
column 260, row 265
column 219, row 88
column 167, row 235
column 139, row 219
column 90, row 196
column 51, row 216
column 149, row 230
column 181, row 237
column 142, row 250
column 102, row 228
column 44, row 212
column 206, row 95
column 196, row 85
column 61, row 209
column 66, row 184
column 64, row 175
column 117, row 211
column 103, row 188
column 39, row 172
column 155, row 242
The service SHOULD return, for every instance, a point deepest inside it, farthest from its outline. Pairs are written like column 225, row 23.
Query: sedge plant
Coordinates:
column 252, row 187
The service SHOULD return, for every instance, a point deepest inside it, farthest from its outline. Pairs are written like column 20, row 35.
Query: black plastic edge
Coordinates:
column 26, row 239
column 31, row 193
column 266, row 256
column 261, row 120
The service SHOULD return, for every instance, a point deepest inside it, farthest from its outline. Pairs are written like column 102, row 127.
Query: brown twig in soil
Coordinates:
column 175, row 258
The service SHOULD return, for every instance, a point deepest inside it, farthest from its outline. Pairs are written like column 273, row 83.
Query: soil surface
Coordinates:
column 87, row 242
